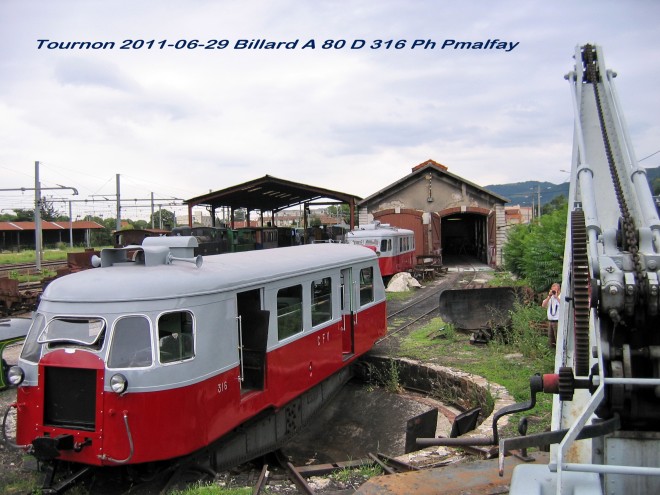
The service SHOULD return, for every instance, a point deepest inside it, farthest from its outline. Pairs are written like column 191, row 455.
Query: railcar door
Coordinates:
column 349, row 305
column 252, row 340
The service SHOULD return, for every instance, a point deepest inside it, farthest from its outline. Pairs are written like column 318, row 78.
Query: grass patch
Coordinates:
column 388, row 378
column 506, row 279
column 397, row 296
column 15, row 275
column 30, row 255
column 509, row 360
column 433, row 340
column 211, row 489
column 366, row 471
column 18, row 483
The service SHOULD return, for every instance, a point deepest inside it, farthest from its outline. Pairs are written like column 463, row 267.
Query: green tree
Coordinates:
column 165, row 219
column 141, row 224
column 48, row 213
column 514, row 249
column 342, row 211
column 102, row 237
column 240, row 215
column 535, row 252
column 557, row 203
column 23, row 215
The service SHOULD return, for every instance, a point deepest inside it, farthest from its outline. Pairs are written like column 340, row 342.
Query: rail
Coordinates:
column 29, row 268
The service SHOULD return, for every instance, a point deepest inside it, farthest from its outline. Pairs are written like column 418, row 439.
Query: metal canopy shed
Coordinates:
column 270, row 194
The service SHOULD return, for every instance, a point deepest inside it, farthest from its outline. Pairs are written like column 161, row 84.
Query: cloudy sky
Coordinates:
column 178, row 122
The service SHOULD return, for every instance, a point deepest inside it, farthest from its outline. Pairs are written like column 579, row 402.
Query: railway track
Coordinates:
column 422, row 307
column 21, row 297
column 29, row 268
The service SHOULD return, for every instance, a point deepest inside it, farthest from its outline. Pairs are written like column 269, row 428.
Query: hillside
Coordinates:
column 523, row 193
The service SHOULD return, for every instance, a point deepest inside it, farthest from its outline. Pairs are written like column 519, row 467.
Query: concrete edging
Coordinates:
column 464, row 389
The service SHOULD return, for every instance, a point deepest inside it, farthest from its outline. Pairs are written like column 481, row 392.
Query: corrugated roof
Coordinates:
column 29, row 226
column 269, row 194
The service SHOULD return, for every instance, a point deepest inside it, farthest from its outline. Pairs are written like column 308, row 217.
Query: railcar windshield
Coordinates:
column 83, row 331
column 32, row 349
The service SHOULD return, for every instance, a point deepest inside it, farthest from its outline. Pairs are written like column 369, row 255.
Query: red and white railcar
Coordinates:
column 149, row 358
column 395, row 247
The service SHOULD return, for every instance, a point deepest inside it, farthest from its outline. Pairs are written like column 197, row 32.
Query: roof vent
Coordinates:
column 153, row 251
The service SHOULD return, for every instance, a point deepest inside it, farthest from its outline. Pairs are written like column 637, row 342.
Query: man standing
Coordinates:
column 551, row 303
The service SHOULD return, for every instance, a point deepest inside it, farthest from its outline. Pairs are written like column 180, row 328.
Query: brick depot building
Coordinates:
column 449, row 215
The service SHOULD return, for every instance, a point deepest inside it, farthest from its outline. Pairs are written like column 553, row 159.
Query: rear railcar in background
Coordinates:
column 395, row 247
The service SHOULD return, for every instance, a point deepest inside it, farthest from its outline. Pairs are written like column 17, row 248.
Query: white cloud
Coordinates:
column 184, row 121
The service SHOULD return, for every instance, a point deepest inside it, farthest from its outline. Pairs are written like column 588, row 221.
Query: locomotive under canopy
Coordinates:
column 218, row 240
column 147, row 357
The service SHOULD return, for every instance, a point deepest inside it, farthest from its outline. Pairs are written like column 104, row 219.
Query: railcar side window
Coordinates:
column 131, row 343
column 289, row 311
column 32, row 349
column 366, row 286
column 175, row 336
column 321, row 301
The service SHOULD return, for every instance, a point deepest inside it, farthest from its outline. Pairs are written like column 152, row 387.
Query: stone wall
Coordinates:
column 448, row 385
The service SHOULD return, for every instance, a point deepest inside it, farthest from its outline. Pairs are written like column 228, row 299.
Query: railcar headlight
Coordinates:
column 15, row 375
column 118, row 383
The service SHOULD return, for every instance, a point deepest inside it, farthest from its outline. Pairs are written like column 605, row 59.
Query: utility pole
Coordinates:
column 37, row 210
column 152, row 211
column 539, row 201
column 118, row 206
column 38, row 232
column 38, row 244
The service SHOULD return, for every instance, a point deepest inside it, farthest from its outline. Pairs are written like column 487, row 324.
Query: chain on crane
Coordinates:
column 627, row 222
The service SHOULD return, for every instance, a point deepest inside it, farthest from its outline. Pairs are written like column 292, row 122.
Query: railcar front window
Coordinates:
column 321, row 301
column 131, row 343
column 76, row 330
column 289, row 311
column 32, row 349
column 175, row 336
column 366, row 286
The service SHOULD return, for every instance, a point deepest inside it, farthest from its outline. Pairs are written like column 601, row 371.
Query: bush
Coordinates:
column 528, row 333
column 535, row 252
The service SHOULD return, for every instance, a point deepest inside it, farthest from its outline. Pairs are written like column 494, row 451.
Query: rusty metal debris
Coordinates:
column 15, row 297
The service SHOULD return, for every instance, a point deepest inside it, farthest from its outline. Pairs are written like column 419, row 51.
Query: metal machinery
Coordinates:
column 606, row 415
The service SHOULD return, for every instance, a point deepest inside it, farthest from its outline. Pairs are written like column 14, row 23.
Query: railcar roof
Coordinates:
column 218, row 273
